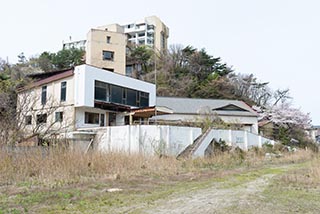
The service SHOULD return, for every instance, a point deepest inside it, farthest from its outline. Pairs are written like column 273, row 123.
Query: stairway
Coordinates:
column 188, row 152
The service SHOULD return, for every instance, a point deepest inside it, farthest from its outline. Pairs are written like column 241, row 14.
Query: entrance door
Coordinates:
column 112, row 119
column 101, row 119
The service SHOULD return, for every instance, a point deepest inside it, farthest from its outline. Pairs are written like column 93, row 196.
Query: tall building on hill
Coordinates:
column 106, row 45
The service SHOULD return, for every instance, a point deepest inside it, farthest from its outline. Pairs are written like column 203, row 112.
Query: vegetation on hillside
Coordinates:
column 179, row 71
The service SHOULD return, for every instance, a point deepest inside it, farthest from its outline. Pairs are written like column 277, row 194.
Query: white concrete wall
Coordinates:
column 234, row 138
column 86, row 75
column 146, row 139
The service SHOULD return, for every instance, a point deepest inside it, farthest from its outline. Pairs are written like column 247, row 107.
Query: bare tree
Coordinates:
column 30, row 119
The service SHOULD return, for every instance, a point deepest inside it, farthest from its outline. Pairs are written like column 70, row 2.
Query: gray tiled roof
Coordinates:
column 195, row 106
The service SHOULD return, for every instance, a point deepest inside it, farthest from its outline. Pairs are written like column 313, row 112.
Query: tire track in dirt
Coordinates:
column 213, row 199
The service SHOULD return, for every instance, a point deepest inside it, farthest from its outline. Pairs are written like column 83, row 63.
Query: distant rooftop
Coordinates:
column 196, row 106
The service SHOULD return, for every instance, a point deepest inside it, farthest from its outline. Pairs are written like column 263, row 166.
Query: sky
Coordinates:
column 276, row 40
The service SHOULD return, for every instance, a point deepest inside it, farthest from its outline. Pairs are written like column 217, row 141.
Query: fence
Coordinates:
column 235, row 138
column 146, row 139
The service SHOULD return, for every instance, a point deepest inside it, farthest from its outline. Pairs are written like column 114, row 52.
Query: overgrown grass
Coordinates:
column 56, row 180
column 58, row 167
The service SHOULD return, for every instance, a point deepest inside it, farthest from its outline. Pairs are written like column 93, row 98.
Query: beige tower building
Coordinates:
column 106, row 49
column 106, row 45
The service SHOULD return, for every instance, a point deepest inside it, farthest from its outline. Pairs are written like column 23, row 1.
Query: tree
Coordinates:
column 67, row 58
column 63, row 59
column 140, row 57
column 285, row 115
column 45, row 61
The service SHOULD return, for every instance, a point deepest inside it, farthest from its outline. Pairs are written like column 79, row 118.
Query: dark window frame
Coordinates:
column 120, row 95
column 28, row 120
column 108, row 39
column 91, row 118
column 108, row 55
column 63, row 91
column 42, row 118
column 59, row 116
column 44, row 94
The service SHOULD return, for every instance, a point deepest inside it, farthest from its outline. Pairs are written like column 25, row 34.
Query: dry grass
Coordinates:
column 309, row 176
column 57, row 166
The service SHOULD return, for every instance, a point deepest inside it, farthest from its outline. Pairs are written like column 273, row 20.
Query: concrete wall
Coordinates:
column 146, row 139
column 235, row 138
column 86, row 75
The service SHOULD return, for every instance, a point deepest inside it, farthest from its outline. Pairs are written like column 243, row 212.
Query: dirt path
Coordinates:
column 213, row 199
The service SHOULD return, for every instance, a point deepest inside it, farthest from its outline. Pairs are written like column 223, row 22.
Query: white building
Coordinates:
column 193, row 110
column 83, row 97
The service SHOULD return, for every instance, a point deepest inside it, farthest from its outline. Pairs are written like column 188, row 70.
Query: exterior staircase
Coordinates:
column 188, row 152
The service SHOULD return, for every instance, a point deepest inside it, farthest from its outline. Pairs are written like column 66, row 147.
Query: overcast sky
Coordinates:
column 276, row 40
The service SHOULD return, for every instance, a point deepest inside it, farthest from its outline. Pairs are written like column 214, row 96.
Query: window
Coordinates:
column 108, row 39
column 124, row 96
column 112, row 119
column 101, row 91
column 28, row 120
column 116, row 94
column 150, row 27
column 121, row 95
column 41, row 118
column 141, row 34
column 129, row 70
column 63, row 92
column 141, row 42
column 144, row 99
column 44, row 95
column 108, row 69
column 163, row 41
column 132, row 97
column 91, row 118
column 108, row 55
column 101, row 119
column 59, row 116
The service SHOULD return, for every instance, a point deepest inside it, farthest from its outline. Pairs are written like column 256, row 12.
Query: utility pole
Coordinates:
column 155, row 82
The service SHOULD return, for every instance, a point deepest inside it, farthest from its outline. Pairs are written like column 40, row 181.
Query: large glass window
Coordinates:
column 120, row 95
column 101, row 91
column 132, row 97
column 116, row 94
column 144, row 99
column 63, row 93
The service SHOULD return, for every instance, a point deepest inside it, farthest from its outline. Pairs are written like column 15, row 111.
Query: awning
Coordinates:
column 148, row 112
column 111, row 106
